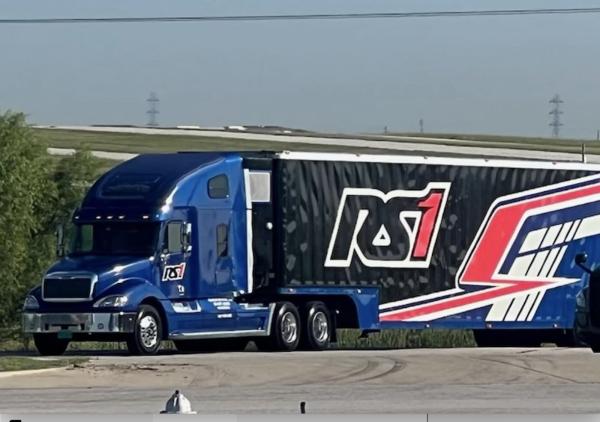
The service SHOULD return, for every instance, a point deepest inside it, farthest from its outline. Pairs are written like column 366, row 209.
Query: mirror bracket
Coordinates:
column 60, row 245
column 186, row 238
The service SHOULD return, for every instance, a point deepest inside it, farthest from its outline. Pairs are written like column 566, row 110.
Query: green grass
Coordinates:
column 18, row 363
column 503, row 141
column 406, row 339
column 141, row 143
column 347, row 339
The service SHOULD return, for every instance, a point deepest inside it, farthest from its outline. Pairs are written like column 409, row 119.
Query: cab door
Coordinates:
column 175, row 270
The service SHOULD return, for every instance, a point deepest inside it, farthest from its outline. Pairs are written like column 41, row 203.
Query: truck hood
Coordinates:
column 109, row 269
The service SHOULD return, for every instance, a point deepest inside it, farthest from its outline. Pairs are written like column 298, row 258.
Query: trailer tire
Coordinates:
column 147, row 333
column 285, row 330
column 50, row 344
column 316, row 328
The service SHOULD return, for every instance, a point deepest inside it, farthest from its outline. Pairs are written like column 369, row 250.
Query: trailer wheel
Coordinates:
column 316, row 328
column 285, row 330
column 50, row 344
column 147, row 334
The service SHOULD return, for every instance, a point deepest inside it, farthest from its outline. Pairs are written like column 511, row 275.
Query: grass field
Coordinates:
column 406, row 339
column 140, row 143
column 347, row 339
column 512, row 142
column 20, row 363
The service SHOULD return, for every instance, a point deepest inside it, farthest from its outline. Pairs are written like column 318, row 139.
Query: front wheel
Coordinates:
column 147, row 334
column 50, row 344
column 285, row 330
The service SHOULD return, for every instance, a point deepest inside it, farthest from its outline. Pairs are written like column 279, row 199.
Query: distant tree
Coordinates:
column 25, row 189
column 73, row 176
column 37, row 193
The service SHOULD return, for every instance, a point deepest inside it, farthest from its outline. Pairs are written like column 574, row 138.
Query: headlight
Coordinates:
column 30, row 303
column 580, row 300
column 111, row 302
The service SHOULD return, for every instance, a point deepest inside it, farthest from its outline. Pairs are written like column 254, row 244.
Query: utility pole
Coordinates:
column 152, row 112
column 421, row 125
column 555, row 124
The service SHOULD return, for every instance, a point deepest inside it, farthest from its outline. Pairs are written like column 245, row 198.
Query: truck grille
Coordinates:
column 67, row 288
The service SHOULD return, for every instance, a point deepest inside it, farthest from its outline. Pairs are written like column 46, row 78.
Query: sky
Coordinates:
column 462, row 75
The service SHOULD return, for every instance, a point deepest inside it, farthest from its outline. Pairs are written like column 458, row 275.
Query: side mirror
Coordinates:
column 580, row 260
column 186, row 238
column 60, row 245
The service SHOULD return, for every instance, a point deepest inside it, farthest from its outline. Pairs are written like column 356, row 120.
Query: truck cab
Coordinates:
column 164, row 247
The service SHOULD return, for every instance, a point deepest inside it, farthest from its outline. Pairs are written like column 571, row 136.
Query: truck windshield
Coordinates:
column 115, row 239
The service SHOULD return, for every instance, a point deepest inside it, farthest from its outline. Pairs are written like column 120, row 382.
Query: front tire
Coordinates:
column 316, row 331
column 285, row 330
column 50, row 344
column 147, row 334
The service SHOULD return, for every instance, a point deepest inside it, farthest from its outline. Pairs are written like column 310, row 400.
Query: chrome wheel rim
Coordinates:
column 320, row 327
column 148, row 331
column 289, row 327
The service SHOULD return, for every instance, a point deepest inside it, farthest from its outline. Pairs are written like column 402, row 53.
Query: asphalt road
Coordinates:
column 546, row 380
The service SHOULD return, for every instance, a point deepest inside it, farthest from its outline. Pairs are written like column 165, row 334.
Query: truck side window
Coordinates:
column 86, row 239
column 218, row 187
column 173, row 237
column 222, row 243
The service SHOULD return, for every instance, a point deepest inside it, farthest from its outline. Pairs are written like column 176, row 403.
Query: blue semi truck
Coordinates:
column 213, row 250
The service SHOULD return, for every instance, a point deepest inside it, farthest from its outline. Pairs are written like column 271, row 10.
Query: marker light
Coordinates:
column 30, row 303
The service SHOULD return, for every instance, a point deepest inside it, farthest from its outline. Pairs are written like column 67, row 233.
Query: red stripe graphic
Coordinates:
column 487, row 255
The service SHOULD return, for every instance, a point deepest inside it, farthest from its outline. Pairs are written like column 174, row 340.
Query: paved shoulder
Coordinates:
column 451, row 380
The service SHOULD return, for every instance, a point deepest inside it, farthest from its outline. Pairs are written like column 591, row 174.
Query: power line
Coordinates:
column 323, row 16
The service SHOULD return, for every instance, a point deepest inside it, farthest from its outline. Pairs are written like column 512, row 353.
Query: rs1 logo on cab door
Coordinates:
column 396, row 229
column 173, row 272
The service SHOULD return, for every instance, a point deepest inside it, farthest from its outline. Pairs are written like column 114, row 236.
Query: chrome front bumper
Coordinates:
column 119, row 322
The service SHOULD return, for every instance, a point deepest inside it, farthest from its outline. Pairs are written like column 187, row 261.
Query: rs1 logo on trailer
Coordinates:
column 396, row 229
column 173, row 272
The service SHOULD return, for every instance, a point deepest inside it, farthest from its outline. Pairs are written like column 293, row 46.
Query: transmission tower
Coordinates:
column 555, row 124
column 152, row 112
